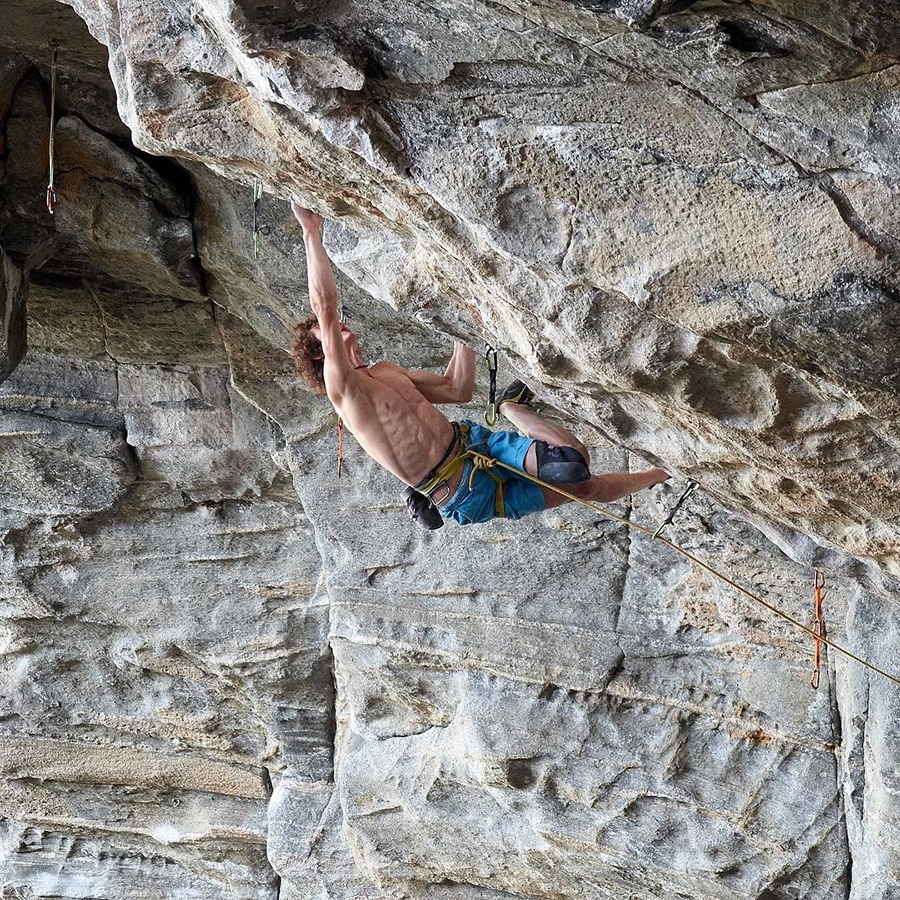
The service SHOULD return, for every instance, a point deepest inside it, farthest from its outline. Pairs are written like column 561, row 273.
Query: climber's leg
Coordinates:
column 531, row 424
column 599, row 488
column 607, row 488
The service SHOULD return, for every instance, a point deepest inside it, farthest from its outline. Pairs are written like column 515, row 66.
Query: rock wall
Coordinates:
column 682, row 230
column 227, row 673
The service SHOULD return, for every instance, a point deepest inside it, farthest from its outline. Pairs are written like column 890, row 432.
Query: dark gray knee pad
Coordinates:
column 560, row 465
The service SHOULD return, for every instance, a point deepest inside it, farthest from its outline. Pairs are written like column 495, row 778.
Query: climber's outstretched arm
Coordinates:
column 323, row 298
column 456, row 385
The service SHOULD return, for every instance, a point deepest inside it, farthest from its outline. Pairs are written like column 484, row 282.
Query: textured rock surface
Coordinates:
column 228, row 674
column 684, row 230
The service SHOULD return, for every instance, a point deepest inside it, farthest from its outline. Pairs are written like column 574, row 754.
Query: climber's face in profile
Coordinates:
column 351, row 343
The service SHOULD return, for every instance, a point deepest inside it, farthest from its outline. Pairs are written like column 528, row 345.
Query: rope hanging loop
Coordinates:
column 491, row 414
column 52, row 198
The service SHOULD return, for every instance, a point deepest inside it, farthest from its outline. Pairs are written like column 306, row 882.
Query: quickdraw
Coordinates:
column 257, row 197
column 819, row 629
column 52, row 199
column 692, row 486
column 491, row 414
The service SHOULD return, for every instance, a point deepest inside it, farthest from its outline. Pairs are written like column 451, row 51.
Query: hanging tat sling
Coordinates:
column 51, row 189
column 819, row 629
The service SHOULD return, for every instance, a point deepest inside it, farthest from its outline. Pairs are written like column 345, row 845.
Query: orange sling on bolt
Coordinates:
column 819, row 628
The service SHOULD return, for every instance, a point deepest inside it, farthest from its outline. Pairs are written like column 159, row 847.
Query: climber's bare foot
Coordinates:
column 309, row 221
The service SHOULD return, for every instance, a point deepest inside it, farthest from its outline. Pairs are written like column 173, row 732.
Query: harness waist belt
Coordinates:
column 438, row 474
column 441, row 474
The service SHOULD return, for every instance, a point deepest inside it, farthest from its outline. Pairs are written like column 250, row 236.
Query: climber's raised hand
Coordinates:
column 309, row 221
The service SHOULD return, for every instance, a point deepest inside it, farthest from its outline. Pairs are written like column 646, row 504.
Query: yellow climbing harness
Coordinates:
column 816, row 634
column 480, row 463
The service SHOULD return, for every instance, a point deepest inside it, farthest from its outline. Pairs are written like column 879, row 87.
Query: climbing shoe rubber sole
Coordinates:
column 515, row 392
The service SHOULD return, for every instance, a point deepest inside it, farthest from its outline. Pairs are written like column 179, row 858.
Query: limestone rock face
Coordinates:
column 677, row 218
column 227, row 673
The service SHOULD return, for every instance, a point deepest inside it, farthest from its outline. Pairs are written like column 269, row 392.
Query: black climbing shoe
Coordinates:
column 560, row 465
column 515, row 392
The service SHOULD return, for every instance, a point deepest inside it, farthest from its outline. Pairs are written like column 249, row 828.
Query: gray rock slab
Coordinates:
column 676, row 222
column 48, row 861
column 55, row 468
column 44, row 759
column 64, row 318
column 307, row 844
column 65, row 388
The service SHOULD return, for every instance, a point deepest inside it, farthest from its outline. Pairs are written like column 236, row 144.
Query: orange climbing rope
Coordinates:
column 488, row 462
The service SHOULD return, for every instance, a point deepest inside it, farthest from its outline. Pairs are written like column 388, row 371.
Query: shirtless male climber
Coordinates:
column 390, row 411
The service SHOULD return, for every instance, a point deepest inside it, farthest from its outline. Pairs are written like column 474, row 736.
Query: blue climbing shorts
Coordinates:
column 520, row 496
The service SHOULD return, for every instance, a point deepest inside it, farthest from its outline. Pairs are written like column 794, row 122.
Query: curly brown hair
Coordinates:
column 309, row 358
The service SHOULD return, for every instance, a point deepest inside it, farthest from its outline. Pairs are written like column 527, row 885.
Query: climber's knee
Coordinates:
column 560, row 465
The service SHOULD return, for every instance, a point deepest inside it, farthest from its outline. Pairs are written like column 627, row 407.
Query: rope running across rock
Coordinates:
column 489, row 462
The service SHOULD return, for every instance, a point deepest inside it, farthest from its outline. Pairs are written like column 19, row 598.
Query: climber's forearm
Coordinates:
column 323, row 296
column 455, row 385
column 461, row 372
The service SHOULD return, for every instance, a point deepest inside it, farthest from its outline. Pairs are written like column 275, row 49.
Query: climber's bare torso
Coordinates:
column 392, row 420
column 390, row 410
